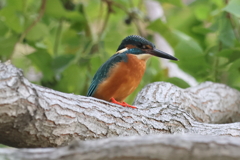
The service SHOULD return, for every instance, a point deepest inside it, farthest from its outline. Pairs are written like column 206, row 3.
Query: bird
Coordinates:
column 121, row 74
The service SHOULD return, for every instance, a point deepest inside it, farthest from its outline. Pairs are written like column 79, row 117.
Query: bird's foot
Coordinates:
column 124, row 104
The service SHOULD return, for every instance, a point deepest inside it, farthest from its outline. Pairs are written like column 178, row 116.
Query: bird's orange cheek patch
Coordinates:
column 129, row 46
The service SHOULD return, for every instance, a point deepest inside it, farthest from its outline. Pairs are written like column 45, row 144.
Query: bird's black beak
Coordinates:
column 158, row 53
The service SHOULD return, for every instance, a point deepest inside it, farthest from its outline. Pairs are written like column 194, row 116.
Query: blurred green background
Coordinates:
column 60, row 44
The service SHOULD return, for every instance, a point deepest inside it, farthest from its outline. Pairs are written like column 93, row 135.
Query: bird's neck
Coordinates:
column 135, row 63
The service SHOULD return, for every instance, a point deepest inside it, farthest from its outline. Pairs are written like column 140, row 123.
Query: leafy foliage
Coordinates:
column 70, row 39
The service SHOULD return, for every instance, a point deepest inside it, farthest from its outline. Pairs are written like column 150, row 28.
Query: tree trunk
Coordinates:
column 34, row 116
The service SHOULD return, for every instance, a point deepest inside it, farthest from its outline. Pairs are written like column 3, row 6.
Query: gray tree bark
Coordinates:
column 154, row 147
column 34, row 116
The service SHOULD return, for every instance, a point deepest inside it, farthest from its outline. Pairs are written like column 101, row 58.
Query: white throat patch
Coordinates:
column 144, row 56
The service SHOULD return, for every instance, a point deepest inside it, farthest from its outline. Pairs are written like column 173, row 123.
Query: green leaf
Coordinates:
column 72, row 40
column 75, row 16
column 7, row 46
column 173, row 2
column 167, row 32
column 60, row 63
column 218, row 3
column 3, row 29
column 187, row 50
column 178, row 82
column 72, row 80
column 201, row 30
column 38, row 32
column 55, row 9
column 234, row 74
column 233, row 8
column 191, row 58
column 188, row 46
column 230, row 54
column 226, row 33
column 95, row 63
column 153, row 68
column 43, row 61
column 12, row 18
column 202, row 11
column 16, row 4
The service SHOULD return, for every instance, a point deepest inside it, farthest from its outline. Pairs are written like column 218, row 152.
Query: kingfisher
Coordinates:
column 120, row 75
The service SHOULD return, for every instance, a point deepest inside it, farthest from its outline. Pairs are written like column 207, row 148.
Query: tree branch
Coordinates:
column 157, row 147
column 34, row 116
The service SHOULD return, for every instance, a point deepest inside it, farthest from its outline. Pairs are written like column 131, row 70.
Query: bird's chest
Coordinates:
column 122, row 79
column 129, row 74
column 133, row 69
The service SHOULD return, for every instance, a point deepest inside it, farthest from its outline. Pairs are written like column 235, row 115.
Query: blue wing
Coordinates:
column 103, row 71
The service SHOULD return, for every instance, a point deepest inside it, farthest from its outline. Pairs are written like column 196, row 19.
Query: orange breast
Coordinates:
column 123, row 79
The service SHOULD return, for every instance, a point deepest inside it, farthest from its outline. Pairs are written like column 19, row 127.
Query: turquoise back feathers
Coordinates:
column 103, row 71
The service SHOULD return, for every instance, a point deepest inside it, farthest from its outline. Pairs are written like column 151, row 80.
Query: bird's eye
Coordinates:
column 142, row 46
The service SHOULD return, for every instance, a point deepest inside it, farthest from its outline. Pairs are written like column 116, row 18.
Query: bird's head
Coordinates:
column 142, row 48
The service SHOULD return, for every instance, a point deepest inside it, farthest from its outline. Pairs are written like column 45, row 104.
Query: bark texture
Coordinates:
column 34, row 116
column 155, row 147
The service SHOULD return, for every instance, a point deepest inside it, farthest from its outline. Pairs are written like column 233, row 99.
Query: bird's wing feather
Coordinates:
column 103, row 71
